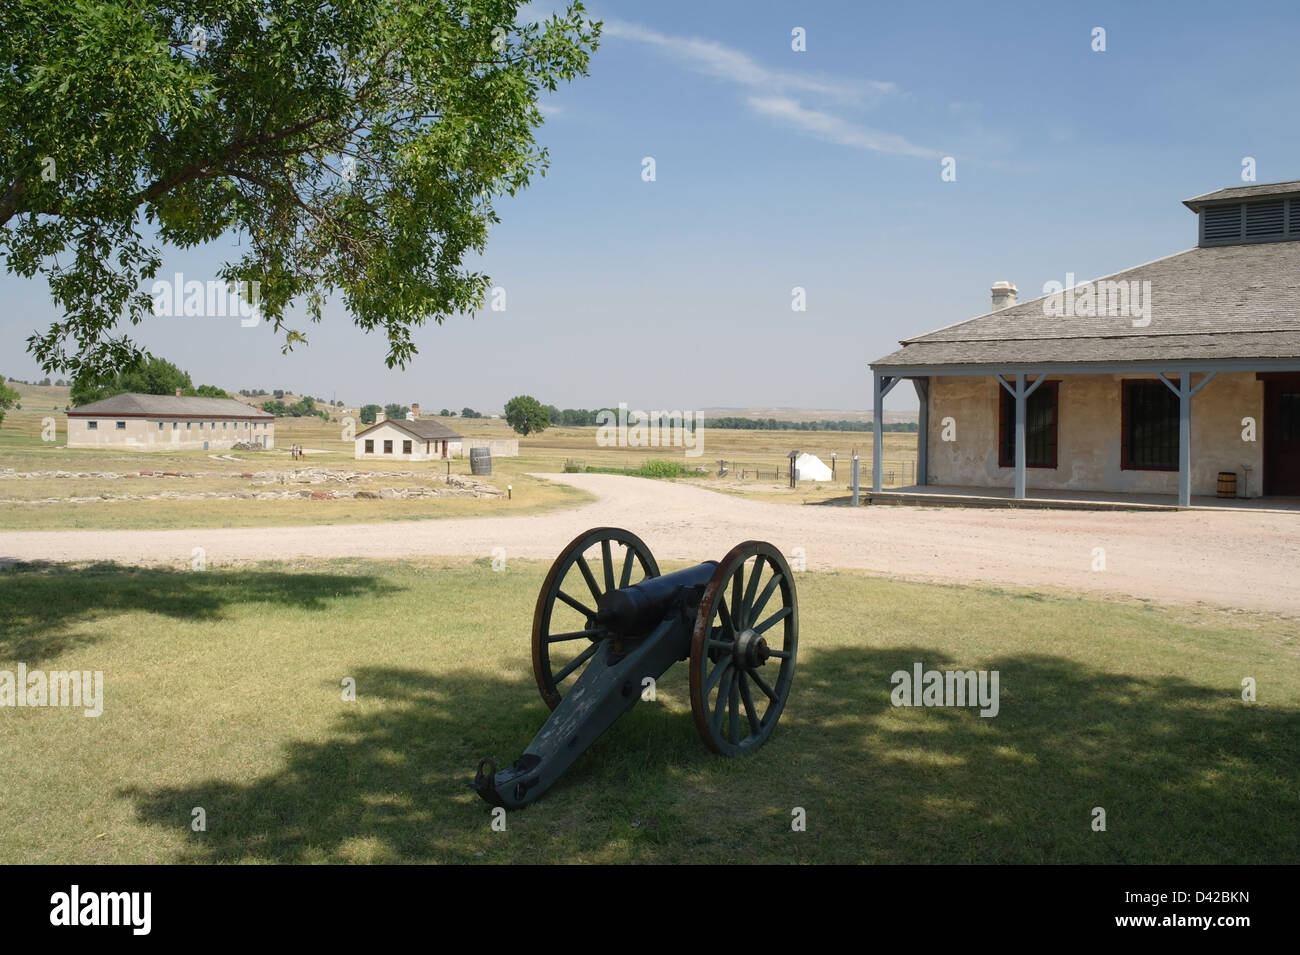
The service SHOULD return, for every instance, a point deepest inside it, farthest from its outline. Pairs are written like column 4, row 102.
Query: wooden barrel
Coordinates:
column 1227, row 484
column 480, row 461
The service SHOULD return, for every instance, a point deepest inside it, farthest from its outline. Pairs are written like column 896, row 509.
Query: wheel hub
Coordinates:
column 751, row 650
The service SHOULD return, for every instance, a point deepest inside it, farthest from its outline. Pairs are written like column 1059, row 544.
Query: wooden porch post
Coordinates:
column 1021, row 394
column 1185, row 391
column 883, row 385
column 922, row 386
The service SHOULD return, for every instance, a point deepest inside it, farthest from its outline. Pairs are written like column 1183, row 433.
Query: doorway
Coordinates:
column 1282, row 435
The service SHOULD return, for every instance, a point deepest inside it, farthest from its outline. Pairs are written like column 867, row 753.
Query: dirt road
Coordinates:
column 1241, row 560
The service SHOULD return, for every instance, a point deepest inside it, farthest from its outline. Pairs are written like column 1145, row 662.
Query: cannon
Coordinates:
column 606, row 620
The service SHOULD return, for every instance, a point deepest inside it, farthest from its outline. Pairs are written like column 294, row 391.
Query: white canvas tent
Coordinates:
column 811, row 468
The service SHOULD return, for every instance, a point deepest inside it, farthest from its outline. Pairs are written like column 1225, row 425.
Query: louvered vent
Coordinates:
column 1222, row 224
column 1246, row 222
column 1264, row 219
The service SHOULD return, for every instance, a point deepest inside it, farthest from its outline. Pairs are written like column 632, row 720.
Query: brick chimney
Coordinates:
column 415, row 411
column 380, row 416
column 1004, row 295
column 178, row 392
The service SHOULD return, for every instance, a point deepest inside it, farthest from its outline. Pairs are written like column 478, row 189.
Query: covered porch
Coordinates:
column 977, row 451
column 943, row 495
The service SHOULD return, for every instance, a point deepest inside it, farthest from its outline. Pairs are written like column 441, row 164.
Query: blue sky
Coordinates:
column 820, row 169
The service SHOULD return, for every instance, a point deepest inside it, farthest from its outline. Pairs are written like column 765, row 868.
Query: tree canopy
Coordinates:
column 147, row 376
column 354, row 148
column 8, row 398
column 526, row 415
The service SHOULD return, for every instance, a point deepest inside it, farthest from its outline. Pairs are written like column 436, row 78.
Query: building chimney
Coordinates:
column 178, row 392
column 415, row 411
column 1004, row 295
column 380, row 416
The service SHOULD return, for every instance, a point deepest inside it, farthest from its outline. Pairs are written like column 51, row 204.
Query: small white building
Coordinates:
column 169, row 423
column 411, row 440
column 811, row 468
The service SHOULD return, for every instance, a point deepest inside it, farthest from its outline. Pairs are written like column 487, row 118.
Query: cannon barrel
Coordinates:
column 634, row 611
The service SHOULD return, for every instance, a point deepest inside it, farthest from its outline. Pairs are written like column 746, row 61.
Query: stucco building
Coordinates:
column 414, row 439
column 1154, row 379
column 169, row 422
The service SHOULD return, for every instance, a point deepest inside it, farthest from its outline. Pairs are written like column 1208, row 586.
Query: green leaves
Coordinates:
column 356, row 147
column 526, row 415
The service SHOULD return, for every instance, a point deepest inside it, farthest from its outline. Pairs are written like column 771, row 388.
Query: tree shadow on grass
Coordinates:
column 377, row 790
column 1186, row 773
column 46, row 609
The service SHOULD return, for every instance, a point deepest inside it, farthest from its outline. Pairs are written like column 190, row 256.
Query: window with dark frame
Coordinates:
column 406, row 447
column 1041, row 414
column 370, row 446
column 388, row 447
column 92, row 425
column 1149, row 438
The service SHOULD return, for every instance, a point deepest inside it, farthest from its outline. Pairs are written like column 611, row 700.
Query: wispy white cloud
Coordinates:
column 735, row 66
column 773, row 93
column 837, row 130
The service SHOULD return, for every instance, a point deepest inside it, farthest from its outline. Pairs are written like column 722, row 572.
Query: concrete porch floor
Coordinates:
column 1070, row 500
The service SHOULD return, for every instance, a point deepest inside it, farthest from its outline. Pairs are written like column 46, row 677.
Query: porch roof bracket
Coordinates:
column 1011, row 389
column 1176, row 389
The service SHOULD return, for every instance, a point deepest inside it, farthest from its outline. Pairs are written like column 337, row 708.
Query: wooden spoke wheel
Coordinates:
column 743, row 649
column 565, row 636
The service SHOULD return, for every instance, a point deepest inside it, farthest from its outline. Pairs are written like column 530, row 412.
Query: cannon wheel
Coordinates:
column 565, row 636
column 740, row 674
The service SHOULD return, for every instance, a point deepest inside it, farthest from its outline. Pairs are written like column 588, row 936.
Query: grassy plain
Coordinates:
column 23, row 501
column 222, row 692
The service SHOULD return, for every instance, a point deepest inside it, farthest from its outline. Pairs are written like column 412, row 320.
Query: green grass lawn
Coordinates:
column 222, row 691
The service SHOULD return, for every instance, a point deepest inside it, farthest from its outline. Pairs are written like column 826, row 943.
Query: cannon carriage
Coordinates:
column 607, row 623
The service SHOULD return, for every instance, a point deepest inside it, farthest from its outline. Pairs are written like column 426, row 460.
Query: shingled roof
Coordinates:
column 1227, row 302
column 423, row 428
column 1237, row 193
column 131, row 405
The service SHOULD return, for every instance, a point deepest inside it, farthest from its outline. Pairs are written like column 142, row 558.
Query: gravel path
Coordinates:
column 1241, row 560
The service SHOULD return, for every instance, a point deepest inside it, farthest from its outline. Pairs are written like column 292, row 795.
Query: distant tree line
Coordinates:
column 589, row 418
column 303, row 408
column 773, row 424
column 44, row 382
column 279, row 393
column 369, row 413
